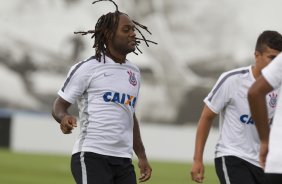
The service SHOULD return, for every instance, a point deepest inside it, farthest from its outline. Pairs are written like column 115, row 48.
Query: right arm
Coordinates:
column 204, row 126
column 257, row 102
column 60, row 113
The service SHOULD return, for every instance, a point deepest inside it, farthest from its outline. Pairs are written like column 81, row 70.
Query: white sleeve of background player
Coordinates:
column 273, row 72
column 76, row 83
column 271, row 110
column 220, row 95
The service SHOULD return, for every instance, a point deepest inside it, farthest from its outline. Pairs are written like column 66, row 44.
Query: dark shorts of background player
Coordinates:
column 234, row 170
column 273, row 178
column 96, row 169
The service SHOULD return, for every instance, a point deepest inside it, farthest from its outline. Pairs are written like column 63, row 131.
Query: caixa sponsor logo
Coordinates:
column 120, row 98
column 247, row 119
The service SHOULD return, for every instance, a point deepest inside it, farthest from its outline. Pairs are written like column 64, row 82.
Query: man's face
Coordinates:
column 124, row 40
column 265, row 57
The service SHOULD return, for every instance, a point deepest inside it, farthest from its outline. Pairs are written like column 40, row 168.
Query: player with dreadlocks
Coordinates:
column 106, row 88
column 105, row 30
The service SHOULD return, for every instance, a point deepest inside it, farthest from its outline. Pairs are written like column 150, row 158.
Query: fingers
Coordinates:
column 197, row 172
column 262, row 160
column 66, row 129
column 67, row 124
column 197, row 177
column 145, row 170
column 72, row 121
column 262, row 164
column 145, row 175
column 263, row 154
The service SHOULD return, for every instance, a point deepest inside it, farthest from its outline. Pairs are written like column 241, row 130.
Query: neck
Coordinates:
column 116, row 57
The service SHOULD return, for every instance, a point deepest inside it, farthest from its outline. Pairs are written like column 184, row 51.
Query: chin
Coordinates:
column 130, row 50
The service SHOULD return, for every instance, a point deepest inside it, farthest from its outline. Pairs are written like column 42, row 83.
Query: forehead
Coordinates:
column 269, row 51
column 124, row 20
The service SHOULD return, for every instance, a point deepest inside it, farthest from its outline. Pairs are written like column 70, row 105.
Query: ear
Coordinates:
column 257, row 54
column 113, row 34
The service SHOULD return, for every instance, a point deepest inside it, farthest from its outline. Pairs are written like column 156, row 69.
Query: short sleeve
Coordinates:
column 220, row 95
column 76, row 83
column 273, row 72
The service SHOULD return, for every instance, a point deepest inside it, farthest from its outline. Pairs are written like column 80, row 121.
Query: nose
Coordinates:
column 132, row 33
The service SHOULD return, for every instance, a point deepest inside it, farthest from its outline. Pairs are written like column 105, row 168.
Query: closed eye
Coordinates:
column 128, row 28
column 272, row 57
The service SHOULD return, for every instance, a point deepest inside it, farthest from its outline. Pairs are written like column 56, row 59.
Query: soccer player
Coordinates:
column 236, row 152
column 270, row 150
column 106, row 88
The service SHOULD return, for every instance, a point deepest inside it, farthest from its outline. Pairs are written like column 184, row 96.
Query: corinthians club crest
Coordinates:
column 132, row 78
column 273, row 99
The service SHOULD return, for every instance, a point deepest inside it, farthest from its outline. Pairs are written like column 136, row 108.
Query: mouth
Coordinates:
column 132, row 43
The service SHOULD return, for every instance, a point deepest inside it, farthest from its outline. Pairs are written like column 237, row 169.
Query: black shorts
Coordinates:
column 92, row 168
column 273, row 178
column 234, row 170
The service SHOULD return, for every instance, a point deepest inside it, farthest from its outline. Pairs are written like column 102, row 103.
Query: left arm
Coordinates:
column 145, row 168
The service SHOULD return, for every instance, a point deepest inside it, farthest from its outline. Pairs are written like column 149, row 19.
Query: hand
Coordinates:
column 145, row 170
column 67, row 124
column 263, row 153
column 197, row 172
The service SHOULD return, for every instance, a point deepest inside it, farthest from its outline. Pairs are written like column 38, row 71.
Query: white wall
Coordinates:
column 40, row 133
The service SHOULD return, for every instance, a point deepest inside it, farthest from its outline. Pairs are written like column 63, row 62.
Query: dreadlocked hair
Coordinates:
column 105, row 29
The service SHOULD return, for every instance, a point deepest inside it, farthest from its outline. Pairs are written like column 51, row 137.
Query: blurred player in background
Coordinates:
column 106, row 88
column 236, row 152
column 271, row 149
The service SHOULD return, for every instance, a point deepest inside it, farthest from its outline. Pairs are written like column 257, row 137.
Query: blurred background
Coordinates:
column 197, row 41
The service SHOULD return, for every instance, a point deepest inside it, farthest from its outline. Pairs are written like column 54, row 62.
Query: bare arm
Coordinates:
column 257, row 102
column 60, row 107
column 204, row 125
column 145, row 168
column 61, row 115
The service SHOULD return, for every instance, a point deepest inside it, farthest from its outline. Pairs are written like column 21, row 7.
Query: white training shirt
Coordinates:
column 228, row 98
column 273, row 74
column 106, row 94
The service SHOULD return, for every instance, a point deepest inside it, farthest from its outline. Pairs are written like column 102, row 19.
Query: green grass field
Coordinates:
column 22, row 168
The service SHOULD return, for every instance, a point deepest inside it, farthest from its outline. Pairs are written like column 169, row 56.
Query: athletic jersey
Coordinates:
column 273, row 74
column 106, row 94
column 228, row 98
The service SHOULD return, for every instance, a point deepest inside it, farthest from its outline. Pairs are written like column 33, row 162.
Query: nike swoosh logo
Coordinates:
column 107, row 74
